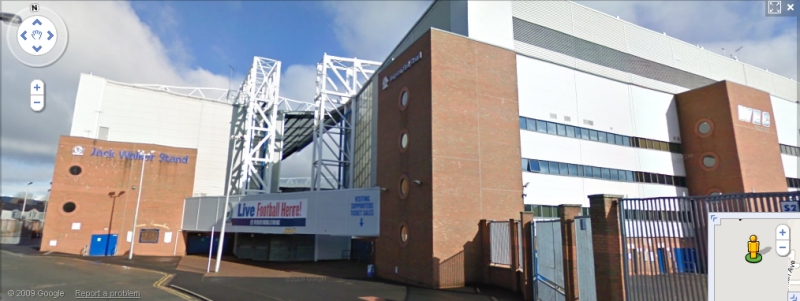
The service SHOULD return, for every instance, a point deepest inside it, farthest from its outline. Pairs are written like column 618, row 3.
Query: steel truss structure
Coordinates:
column 216, row 94
column 338, row 80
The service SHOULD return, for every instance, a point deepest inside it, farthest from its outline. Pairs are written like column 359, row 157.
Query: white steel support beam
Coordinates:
column 338, row 81
column 260, row 150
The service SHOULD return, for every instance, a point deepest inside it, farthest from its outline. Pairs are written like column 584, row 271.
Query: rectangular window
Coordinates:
column 606, row 174
column 580, row 171
column 681, row 181
column 541, row 126
column 626, row 141
column 620, row 140
column 783, row 149
column 570, row 131
column 674, row 148
column 149, row 236
column 564, row 169
column 794, row 151
column 533, row 166
column 545, row 167
column 561, row 129
column 642, row 143
column 614, row 174
column 554, row 168
column 630, row 176
column 634, row 142
column 531, row 124
column 601, row 136
column 587, row 171
column 573, row 170
column 523, row 123
column 597, row 173
column 593, row 135
column 647, row 177
column 622, row 176
column 528, row 208
column 649, row 143
column 662, row 179
column 664, row 146
column 551, row 128
column 670, row 180
column 584, row 134
column 525, row 165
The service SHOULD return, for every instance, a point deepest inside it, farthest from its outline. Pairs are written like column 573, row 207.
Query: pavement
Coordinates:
column 254, row 280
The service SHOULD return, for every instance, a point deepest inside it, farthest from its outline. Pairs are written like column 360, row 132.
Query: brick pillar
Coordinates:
column 486, row 250
column 567, row 214
column 526, row 218
column 607, row 243
column 514, row 245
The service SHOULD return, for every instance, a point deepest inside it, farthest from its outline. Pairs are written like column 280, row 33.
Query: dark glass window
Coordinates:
column 622, row 175
column 662, row 179
column 630, row 176
column 524, row 164
column 149, row 236
column 593, row 135
column 573, row 170
column 570, row 131
column 522, row 123
column 670, row 180
column 541, row 126
column 647, row 178
column 551, row 128
column 533, row 166
column 584, row 134
column 587, row 171
column 597, row 173
column 561, row 129
column 544, row 166
column 614, row 174
column 554, row 168
column 601, row 136
column 531, row 124
column 581, row 170
column 606, row 174
column 564, row 169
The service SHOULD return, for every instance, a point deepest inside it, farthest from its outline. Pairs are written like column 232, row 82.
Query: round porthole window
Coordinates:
column 716, row 193
column 403, row 234
column 704, row 128
column 709, row 161
column 403, row 186
column 404, row 99
column 404, row 140
column 68, row 207
column 75, row 170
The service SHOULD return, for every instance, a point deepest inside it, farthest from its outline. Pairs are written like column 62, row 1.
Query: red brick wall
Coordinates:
column 164, row 188
column 463, row 127
column 748, row 155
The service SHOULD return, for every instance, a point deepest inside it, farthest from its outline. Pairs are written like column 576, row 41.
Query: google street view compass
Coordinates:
column 40, row 39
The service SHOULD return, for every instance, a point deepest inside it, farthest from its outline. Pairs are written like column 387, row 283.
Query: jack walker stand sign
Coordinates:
column 270, row 213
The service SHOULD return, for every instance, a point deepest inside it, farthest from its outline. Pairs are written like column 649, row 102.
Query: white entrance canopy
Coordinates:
column 346, row 212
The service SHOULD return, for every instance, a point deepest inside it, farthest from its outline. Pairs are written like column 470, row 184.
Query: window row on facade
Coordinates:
column 609, row 174
column 558, row 129
column 549, row 211
column 790, row 150
column 793, row 183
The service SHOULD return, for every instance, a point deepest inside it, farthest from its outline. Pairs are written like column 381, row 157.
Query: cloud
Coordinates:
column 769, row 43
column 134, row 55
column 371, row 29
column 299, row 82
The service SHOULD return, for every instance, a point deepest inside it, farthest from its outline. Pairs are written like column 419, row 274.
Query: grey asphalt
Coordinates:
column 59, row 278
column 313, row 288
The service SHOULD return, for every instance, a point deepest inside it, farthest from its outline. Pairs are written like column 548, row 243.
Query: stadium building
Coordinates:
column 416, row 150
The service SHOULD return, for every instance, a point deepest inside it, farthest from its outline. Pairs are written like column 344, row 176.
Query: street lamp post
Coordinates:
column 138, row 201
column 113, row 195
column 25, row 201
column 225, row 215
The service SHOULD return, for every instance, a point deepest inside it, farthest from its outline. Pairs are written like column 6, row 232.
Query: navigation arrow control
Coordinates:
column 23, row 35
column 37, row 48
column 37, row 22
column 51, row 35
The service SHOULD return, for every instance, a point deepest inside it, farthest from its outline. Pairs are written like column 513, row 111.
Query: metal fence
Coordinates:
column 585, row 256
column 500, row 240
column 548, row 263
column 665, row 241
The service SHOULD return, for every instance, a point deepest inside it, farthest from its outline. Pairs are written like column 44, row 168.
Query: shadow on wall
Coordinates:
column 461, row 269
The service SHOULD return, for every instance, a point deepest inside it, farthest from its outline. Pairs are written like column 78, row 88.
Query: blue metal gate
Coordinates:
column 548, row 269
column 103, row 245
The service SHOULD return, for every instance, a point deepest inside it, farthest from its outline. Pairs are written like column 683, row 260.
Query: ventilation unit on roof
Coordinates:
column 567, row 118
column 554, row 116
column 588, row 122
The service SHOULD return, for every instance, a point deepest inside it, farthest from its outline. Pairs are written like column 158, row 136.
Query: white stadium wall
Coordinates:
column 142, row 115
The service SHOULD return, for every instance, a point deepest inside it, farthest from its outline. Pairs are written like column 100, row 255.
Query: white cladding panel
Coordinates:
column 598, row 28
column 547, row 147
column 552, row 190
column 608, row 155
column 87, row 103
column 655, row 115
column 490, row 22
column 790, row 166
column 785, row 120
column 546, row 89
column 142, row 115
column 661, row 162
column 605, row 102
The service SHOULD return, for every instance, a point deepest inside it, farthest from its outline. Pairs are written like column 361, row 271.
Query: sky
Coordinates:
column 187, row 43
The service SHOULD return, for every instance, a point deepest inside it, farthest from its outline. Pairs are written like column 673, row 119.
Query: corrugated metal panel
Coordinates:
column 603, row 71
column 191, row 206
column 598, row 28
column 555, row 15
column 649, row 45
column 723, row 68
column 654, row 84
column 208, row 213
column 548, row 250
column 585, row 255
column 544, row 54
column 758, row 78
column 500, row 242
column 785, row 88
column 690, row 58
column 212, row 148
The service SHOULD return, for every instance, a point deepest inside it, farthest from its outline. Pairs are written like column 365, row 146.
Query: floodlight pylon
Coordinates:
column 256, row 130
column 338, row 81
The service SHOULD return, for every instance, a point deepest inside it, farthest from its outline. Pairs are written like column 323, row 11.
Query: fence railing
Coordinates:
column 665, row 241
column 500, row 239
